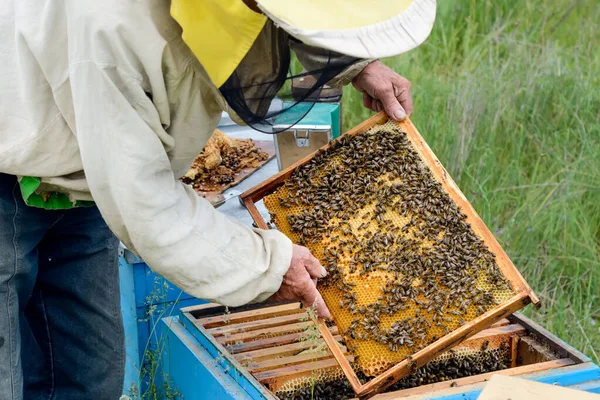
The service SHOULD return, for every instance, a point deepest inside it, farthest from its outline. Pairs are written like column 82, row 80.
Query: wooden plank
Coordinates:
column 253, row 325
column 501, row 387
column 556, row 345
column 384, row 380
column 340, row 357
column 279, row 351
column 514, row 348
column 200, row 307
column 470, row 380
column 309, row 356
column 270, row 332
column 252, row 315
column 270, row 363
column 271, row 342
column 293, row 370
column 214, row 309
column 276, row 384
column 255, row 214
column 530, row 352
column 508, row 330
column 502, row 322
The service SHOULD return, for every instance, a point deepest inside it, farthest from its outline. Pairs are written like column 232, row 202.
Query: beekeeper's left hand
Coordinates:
column 384, row 89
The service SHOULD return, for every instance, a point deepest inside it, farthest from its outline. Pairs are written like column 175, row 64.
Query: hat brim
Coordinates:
column 396, row 35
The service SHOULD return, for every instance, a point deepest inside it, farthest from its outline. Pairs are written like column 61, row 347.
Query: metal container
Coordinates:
column 320, row 125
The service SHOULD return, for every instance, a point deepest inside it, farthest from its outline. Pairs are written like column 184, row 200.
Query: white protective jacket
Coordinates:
column 104, row 101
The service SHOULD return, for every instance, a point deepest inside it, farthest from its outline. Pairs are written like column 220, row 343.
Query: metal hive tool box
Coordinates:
column 320, row 123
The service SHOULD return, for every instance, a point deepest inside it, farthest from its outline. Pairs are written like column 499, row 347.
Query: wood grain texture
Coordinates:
column 278, row 351
column 505, row 330
column 502, row 387
column 339, row 356
column 254, row 213
column 254, row 325
column 502, row 322
column 514, row 350
column 270, row 342
column 271, row 331
column 305, row 357
column 556, row 345
column 292, row 370
column 531, row 352
column 434, row 387
column 275, row 379
column 267, row 340
column 244, row 316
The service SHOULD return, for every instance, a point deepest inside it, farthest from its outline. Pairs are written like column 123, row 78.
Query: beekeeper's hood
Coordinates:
column 223, row 33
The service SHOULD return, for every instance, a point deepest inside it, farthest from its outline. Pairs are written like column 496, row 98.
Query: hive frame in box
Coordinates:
column 524, row 294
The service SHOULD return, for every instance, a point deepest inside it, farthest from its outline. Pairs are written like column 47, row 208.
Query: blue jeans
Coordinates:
column 61, row 333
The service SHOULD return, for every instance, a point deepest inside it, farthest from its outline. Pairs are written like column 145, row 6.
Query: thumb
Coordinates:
column 391, row 105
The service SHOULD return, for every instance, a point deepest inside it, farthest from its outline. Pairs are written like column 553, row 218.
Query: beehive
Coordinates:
column 280, row 346
column 484, row 355
column 405, row 266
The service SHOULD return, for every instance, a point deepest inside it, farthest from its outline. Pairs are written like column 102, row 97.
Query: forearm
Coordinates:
column 175, row 231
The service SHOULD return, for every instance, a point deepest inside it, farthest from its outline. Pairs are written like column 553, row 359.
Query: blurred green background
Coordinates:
column 507, row 94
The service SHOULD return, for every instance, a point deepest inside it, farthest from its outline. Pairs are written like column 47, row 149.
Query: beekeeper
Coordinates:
column 104, row 105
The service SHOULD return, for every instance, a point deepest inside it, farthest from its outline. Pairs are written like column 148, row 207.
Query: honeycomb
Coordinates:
column 405, row 267
column 478, row 357
column 320, row 376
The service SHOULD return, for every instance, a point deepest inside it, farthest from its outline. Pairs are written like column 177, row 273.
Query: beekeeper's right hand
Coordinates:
column 300, row 281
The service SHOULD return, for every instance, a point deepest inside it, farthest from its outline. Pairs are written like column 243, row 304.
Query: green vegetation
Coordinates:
column 507, row 94
column 155, row 382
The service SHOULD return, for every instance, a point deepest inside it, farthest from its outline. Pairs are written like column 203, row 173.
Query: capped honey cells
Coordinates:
column 405, row 267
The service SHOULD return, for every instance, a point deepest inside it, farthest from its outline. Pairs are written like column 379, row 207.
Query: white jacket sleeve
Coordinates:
column 179, row 234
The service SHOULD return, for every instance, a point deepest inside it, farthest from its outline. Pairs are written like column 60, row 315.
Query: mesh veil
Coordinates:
column 265, row 73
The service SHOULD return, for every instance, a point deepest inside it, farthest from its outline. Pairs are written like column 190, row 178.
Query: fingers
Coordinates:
column 311, row 264
column 403, row 95
column 391, row 104
column 310, row 297
column 377, row 106
column 300, row 281
column 367, row 101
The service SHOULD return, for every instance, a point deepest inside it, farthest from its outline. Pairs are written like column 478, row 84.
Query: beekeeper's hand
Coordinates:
column 300, row 282
column 383, row 89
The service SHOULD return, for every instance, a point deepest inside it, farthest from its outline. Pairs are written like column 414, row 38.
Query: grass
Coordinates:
column 507, row 94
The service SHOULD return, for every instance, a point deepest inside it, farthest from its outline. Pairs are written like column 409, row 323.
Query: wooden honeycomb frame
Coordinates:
column 524, row 295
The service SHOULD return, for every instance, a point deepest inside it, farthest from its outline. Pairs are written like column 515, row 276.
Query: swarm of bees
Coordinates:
column 454, row 367
column 405, row 267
